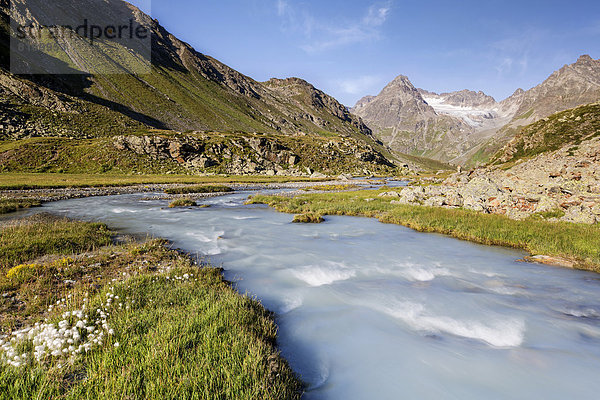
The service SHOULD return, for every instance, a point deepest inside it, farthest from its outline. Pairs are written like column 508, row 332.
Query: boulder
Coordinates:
column 579, row 215
column 481, row 187
column 434, row 190
column 435, row 201
column 454, row 199
column 546, row 203
column 474, row 203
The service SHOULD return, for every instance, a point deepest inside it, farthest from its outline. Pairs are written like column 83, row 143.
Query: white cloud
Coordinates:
column 282, row 7
column 330, row 35
column 359, row 85
column 505, row 66
column 377, row 15
column 511, row 54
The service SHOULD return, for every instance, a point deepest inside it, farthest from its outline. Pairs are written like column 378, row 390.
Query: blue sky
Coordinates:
column 351, row 48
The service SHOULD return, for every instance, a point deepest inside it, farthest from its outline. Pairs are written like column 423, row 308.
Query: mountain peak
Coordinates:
column 518, row 92
column 584, row 59
column 402, row 80
column 403, row 87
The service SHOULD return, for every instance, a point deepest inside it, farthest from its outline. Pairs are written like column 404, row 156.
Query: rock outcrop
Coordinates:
column 242, row 154
column 562, row 185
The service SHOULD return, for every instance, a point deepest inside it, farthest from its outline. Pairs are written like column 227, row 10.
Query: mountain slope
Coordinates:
column 571, row 86
column 186, row 91
column 566, row 128
column 468, row 127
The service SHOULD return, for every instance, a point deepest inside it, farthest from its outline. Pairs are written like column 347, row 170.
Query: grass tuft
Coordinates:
column 332, row 188
column 308, row 218
column 183, row 203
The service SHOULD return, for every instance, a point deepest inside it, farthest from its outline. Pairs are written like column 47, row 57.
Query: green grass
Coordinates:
column 308, row 218
column 199, row 189
column 195, row 339
column 183, row 203
column 577, row 242
column 182, row 331
column 569, row 127
column 26, row 239
column 11, row 180
column 549, row 214
column 526, row 115
column 12, row 205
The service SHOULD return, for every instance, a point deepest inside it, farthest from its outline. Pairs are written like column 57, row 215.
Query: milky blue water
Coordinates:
column 374, row 311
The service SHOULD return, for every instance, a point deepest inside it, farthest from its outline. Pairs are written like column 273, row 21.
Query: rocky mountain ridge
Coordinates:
column 185, row 91
column 463, row 98
column 467, row 127
column 188, row 90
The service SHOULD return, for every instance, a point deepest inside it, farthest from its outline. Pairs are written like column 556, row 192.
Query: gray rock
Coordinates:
column 474, row 203
column 454, row 199
column 389, row 194
column 547, row 203
column 481, row 187
column 579, row 215
column 435, row 201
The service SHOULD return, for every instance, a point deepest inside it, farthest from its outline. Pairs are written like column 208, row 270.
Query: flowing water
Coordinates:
column 374, row 311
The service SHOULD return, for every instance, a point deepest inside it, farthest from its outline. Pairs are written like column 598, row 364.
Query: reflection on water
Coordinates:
column 375, row 311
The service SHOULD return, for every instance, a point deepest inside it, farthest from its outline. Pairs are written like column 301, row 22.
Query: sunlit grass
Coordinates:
column 170, row 329
column 26, row 239
column 183, row 203
column 12, row 205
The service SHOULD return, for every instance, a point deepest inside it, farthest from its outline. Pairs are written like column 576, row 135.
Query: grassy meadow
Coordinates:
column 199, row 189
column 84, row 318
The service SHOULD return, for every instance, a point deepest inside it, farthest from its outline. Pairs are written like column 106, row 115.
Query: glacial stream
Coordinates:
column 374, row 311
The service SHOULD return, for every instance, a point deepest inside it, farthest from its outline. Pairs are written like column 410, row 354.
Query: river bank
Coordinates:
column 13, row 198
column 555, row 243
column 82, row 317
column 561, row 185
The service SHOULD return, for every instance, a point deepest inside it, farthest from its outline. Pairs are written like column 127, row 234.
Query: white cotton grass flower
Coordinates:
column 63, row 340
